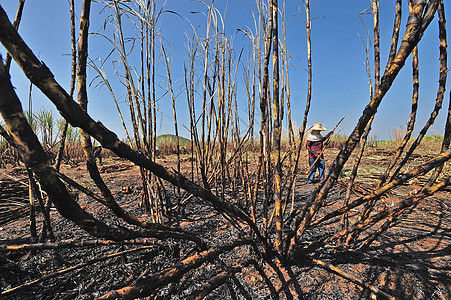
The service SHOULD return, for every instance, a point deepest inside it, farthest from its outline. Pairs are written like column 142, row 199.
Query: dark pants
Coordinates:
column 97, row 155
column 319, row 165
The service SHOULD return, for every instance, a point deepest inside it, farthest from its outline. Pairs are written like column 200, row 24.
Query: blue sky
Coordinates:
column 340, row 82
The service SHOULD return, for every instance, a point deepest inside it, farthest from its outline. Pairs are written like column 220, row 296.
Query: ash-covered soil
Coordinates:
column 412, row 260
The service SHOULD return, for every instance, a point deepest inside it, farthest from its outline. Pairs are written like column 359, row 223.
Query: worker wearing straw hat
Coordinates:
column 314, row 146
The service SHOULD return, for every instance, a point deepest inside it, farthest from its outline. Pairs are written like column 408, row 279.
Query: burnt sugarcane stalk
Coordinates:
column 393, row 214
column 443, row 52
column 67, row 244
column 86, row 138
column 415, row 28
column 352, row 278
column 309, row 58
column 415, row 96
column 70, row 269
column 134, row 105
column 441, row 89
column 169, row 77
column 41, row 76
column 418, row 171
column 377, row 67
column 264, row 131
column 400, row 208
column 291, row 139
column 411, row 124
column 214, row 283
column 83, row 97
column 151, row 283
column 33, row 191
column 277, row 130
column 395, row 35
column 445, row 143
column 203, row 148
column 16, row 23
column 364, row 137
column 400, row 149
column 35, row 158
column 59, row 156
column 309, row 97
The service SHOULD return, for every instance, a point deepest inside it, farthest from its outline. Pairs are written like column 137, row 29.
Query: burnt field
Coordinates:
column 410, row 260
column 226, row 207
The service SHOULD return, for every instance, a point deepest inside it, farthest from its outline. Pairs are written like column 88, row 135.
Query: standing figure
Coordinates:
column 97, row 153
column 314, row 147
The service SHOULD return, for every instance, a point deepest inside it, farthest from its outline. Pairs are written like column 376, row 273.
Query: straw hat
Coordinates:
column 317, row 126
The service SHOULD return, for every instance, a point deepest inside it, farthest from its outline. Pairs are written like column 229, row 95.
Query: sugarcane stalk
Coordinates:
column 440, row 93
column 169, row 77
column 415, row 28
column 277, row 130
column 363, row 140
column 16, row 23
column 32, row 210
column 215, row 282
column 264, row 131
column 375, row 9
column 86, row 138
column 284, row 284
column 412, row 118
column 203, row 152
column 291, row 138
column 265, row 277
column 33, row 191
column 443, row 52
column 151, row 283
column 394, row 214
column 418, row 171
column 333, row 269
column 68, row 244
column 395, row 34
column 32, row 224
column 70, row 269
column 59, row 156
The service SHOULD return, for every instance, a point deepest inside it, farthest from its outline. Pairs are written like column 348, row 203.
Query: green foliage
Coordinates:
column 46, row 124
column 168, row 142
column 48, row 129
column 433, row 138
column 170, row 138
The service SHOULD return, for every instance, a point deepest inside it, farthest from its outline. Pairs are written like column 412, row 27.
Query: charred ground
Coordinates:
column 409, row 261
